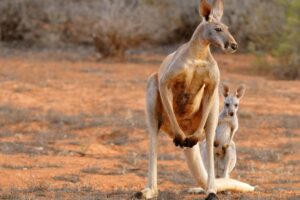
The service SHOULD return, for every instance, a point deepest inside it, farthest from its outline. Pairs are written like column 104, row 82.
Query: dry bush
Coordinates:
column 255, row 24
column 11, row 27
column 32, row 21
column 284, row 67
column 123, row 25
column 126, row 24
column 114, row 26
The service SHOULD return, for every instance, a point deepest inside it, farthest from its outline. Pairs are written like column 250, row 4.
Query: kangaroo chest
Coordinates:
column 187, row 90
column 223, row 133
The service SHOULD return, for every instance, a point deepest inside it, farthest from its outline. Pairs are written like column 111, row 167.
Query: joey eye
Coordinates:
column 218, row 29
column 216, row 144
column 224, row 149
column 236, row 105
column 227, row 104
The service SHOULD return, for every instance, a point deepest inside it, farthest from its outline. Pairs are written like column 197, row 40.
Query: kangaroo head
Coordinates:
column 231, row 102
column 214, row 31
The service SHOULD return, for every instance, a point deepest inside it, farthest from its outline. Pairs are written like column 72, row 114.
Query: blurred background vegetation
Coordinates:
column 112, row 27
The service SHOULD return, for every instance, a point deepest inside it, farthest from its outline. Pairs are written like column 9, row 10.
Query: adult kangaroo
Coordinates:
column 182, row 100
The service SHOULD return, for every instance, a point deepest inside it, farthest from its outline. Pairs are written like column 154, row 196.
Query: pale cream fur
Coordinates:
column 182, row 100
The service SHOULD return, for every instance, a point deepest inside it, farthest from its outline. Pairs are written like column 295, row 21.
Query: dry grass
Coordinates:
column 91, row 170
column 86, row 146
column 42, row 190
column 72, row 178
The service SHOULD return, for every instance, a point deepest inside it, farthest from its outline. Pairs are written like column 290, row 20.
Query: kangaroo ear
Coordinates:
column 205, row 9
column 218, row 9
column 224, row 90
column 240, row 91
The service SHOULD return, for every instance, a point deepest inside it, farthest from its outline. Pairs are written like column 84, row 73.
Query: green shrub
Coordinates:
column 286, row 52
column 288, row 49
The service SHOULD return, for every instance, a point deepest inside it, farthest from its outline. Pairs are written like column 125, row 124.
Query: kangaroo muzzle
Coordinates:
column 231, row 47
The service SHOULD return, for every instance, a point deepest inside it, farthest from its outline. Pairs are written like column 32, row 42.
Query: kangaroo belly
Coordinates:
column 187, row 108
column 188, row 125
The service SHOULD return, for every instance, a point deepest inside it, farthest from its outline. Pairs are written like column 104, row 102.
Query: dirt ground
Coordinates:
column 75, row 129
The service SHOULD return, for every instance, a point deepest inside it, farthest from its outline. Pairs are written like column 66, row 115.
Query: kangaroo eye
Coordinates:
column 236, row 105
column 218, row 29
column 227, row 104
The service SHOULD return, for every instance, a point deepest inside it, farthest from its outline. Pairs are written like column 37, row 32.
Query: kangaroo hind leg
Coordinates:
column 153, row 113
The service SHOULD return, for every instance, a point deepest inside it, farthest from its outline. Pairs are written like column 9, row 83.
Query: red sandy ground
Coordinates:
column 76, row 130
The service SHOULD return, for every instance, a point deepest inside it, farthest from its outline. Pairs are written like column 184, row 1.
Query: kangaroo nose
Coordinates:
column 234, row 46
column 231, row 114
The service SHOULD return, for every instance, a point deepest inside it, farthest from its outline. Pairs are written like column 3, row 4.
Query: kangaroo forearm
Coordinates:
column 226, row 171
column 168, row 106
column 207, row 106
column 232, row 135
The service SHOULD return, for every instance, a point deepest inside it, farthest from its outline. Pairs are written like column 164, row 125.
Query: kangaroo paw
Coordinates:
column 179, row 141
column 191, row 141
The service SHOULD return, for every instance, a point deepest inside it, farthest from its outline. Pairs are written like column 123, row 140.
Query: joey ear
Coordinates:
column 240, row 91
column 224, row 90
column 205, row 9
column 218, row 9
